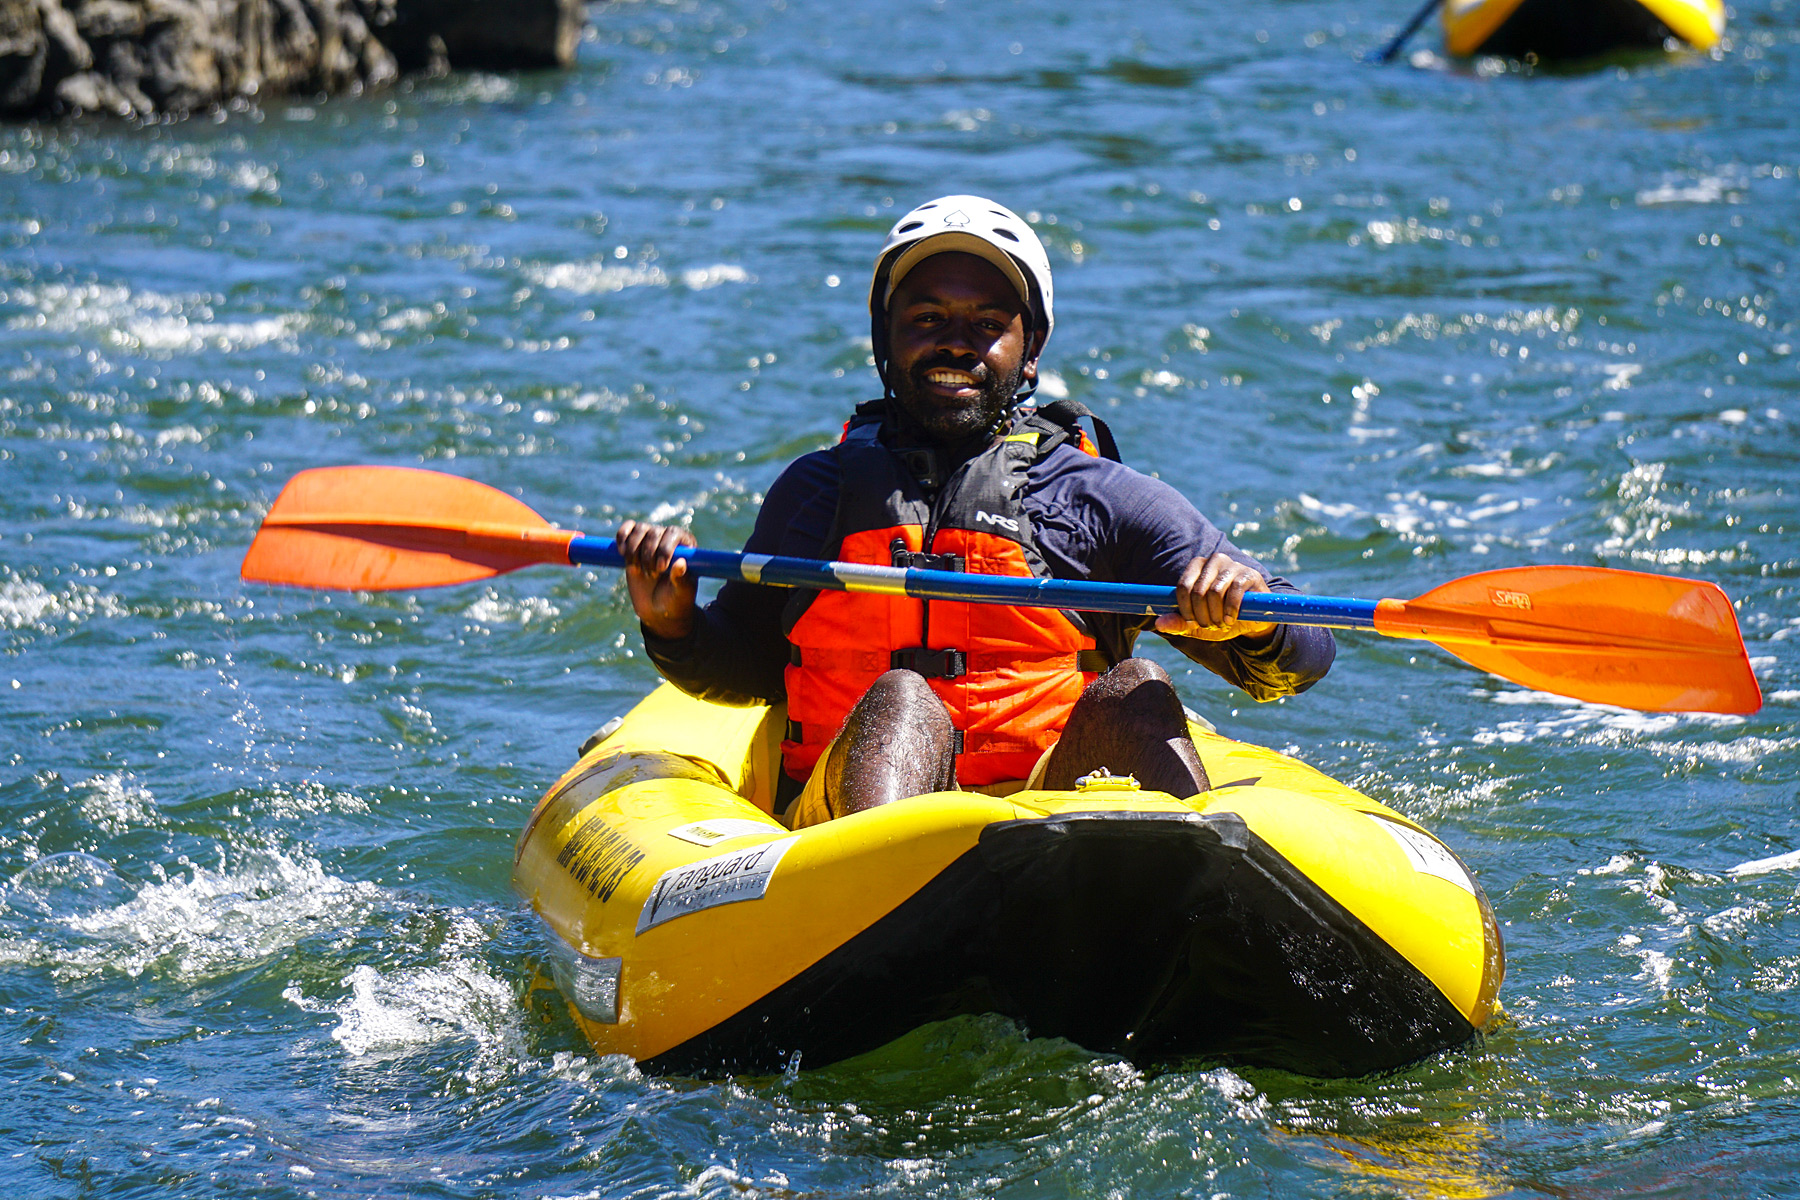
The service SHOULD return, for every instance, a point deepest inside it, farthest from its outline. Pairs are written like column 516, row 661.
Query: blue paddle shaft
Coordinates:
column 1080, row 595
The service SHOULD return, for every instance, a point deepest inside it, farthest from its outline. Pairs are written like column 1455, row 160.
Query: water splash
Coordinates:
column 195, row 928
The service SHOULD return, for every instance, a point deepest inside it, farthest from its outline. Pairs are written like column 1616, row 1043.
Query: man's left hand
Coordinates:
column 1210, row 591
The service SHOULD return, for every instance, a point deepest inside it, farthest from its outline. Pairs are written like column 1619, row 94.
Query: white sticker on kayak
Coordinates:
column 721, row 829
column 725, row 879
column 1429, row 856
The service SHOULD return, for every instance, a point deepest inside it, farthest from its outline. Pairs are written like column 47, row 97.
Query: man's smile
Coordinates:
column 948, row 378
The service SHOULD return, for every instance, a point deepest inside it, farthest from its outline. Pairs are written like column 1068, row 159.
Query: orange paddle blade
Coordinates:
column 378, row 528
column 1649, row 642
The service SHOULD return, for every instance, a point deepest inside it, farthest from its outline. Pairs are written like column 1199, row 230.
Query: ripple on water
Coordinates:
column 602, row 276
column 149, row 322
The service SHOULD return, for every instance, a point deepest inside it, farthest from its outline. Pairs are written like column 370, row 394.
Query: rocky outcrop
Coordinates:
column 468, row 33
column 142, row 57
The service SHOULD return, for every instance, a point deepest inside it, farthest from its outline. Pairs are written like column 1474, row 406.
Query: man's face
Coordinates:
column 957, row 350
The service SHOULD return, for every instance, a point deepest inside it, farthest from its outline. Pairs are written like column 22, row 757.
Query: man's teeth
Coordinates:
column 950, row 378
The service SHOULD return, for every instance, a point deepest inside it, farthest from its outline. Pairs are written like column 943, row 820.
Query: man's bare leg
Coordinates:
column 1129, row 721
column 897, row 742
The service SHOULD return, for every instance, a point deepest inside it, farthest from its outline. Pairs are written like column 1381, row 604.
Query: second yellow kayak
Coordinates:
column 1565, row 29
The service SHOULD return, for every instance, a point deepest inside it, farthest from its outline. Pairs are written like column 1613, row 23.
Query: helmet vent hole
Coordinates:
column 910, row 226
column 1008, row 234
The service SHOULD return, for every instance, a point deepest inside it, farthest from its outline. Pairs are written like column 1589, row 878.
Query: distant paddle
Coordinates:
column 1649, row 642
column 1387, row 52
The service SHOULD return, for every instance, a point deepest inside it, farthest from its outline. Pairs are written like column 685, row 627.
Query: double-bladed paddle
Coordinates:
column 1649, row 642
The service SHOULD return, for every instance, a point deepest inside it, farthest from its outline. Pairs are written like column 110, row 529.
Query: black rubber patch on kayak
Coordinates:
column 1159, row 936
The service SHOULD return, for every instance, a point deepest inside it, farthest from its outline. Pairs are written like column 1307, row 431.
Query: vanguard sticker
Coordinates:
column 1428, row 855
column 726, row 879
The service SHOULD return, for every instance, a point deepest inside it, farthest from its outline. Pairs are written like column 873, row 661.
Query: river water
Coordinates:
column 1389, row 325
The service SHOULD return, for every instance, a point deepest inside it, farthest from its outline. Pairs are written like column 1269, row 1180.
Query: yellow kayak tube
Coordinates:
column 1280, row 919
column 1563, row 29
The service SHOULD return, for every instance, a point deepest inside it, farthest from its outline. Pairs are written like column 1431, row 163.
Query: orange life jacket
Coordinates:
column 1008, row 676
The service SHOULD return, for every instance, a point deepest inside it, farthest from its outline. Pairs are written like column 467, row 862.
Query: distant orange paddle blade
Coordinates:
column 378, row 528
column 1649, row 642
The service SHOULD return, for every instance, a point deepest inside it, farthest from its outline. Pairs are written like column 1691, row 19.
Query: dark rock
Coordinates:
column 140, row 57
column 67, row 52
column 23, row 49
column 533, row 33
column 93, row 92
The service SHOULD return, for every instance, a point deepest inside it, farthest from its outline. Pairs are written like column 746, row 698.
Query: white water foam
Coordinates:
column 1707, row 189
column 115, row 803
column 1414, row 514
column 1658, row 969
column 596, row 278
column 493, row 609
column 698, row 279
column 473, row 87
column 1766, row 866
column 1247, row 1103
column 400, row 1010
column 310, row 798
column 208, row 924
column 1604, row 725
column 148, row 321
column 1736, row 920
column 406, row 1009
column 26, row 603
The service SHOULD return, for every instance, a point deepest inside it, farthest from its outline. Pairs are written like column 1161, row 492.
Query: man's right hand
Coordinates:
column 661, row 589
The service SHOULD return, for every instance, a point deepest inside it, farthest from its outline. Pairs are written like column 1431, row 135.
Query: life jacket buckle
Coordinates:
column 932, row 664
column 918, row 560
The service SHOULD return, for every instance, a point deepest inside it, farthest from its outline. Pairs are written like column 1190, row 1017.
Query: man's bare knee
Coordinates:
column 898, row 741
column 1129, row 720
column 1125, row 678
column 900, row 688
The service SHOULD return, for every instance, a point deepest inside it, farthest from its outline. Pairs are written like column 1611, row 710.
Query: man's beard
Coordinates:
column 949, row 426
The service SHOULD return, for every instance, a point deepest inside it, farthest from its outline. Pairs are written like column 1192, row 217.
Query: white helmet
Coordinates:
column 969, row 225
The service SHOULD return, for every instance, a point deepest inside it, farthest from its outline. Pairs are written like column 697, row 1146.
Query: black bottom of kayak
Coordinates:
column 1560, row 29
column 1158, row 936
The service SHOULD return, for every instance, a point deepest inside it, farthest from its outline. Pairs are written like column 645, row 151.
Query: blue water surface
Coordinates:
column 1389, row 325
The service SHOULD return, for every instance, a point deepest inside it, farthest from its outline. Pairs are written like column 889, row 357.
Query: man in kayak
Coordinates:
column 955, row 469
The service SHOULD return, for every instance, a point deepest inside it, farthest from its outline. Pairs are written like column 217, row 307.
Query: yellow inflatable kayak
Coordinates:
column 1280, row 919
column 1577, row 28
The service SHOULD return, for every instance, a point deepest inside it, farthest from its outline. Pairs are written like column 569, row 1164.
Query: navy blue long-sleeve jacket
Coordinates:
column 1092, row 518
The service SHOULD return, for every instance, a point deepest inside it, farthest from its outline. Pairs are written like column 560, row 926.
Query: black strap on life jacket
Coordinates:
column 1068, row 412
column 792, row 787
